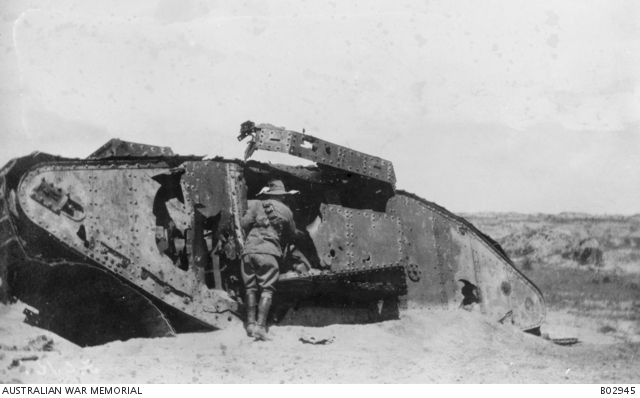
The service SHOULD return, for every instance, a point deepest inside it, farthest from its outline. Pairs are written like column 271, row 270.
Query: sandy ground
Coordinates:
column 421, row 347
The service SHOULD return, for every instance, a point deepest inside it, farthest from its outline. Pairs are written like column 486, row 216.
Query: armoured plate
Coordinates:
column 208, row 191
column 426, row 289
column 352, row 239
column 491, row 273
column 450, row 251
column 130, row 212
column 345, row 286
column 465, row 270
column 10, row 250
column 323, row 152
column 118, row 148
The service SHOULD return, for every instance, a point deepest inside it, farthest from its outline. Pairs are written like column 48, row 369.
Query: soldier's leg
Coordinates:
column 251, row 285
column 267, row 274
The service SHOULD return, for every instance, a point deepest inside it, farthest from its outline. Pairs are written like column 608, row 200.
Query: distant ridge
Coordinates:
column 549, row 217
column 568, row 239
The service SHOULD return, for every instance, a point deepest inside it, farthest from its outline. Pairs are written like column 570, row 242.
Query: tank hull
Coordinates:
column 452, row 265
column 157, row 236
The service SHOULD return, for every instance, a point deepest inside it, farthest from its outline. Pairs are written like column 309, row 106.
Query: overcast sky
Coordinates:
column 504, row 105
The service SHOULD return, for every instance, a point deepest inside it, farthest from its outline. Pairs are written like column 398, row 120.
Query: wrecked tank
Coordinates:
column 135, row 241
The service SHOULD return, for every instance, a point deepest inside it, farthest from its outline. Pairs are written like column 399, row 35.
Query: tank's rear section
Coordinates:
column 111, row 247
column 10, row 249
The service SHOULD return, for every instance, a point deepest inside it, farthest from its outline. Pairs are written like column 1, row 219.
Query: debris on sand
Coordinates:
column 39, row 343
column 309, row 339
column 16, row 361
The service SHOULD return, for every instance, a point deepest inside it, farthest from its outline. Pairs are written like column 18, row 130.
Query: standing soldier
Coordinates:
column 268, row 225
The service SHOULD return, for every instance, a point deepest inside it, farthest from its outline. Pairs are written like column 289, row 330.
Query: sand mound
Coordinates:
column 421, row 347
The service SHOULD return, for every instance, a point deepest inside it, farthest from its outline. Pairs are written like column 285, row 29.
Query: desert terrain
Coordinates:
column 588, row 268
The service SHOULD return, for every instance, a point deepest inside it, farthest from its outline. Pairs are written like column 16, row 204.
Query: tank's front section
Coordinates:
column 360, row 225
column 451, row 265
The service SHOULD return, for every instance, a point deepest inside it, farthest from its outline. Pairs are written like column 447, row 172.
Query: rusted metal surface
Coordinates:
column 275, row 139
column 452, row 254
column 420, row 242
column 238, row 203
column 119, row 148
column 345, row 286
column 352, row 239
column 167, row 227
column 526, row 301
column 10, row 249
column 52, row 280
column 206, row 186
column 125, row 207
column 104, row 309
column 318, row 315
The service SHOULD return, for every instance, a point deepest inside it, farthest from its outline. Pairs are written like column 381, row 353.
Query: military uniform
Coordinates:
column 268, row 225
column 268, row 221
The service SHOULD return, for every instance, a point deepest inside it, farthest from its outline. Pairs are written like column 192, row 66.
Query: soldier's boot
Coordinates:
column 260, row 332
column 251, row 313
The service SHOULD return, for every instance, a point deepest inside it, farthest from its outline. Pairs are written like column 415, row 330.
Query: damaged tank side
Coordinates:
column 447, row 263
column 66, row 294
column 451, row 264
column 126, row 230
column 155, row 237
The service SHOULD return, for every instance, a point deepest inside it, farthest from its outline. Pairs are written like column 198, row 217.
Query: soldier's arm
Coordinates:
column 291, row 228
column 249, row 217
